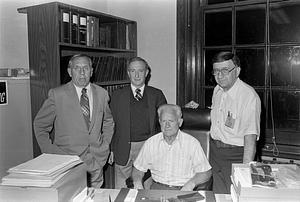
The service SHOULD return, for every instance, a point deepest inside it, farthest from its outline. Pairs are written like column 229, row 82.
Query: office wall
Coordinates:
column 156, row 28
column 15, row 126
column 156, row 21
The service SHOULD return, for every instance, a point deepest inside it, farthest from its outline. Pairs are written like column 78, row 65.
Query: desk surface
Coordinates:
column 102, row 195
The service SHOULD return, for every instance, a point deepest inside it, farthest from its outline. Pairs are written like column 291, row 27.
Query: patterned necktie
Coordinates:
column 85, row 107
column 138, row 95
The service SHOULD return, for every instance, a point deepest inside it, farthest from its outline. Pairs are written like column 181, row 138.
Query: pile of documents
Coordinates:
column 42, row 171
column 257, row 182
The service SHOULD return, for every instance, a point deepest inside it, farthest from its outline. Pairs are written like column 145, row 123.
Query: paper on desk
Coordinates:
column 47, row 164
column 131, row 195
column 243, row 176
column 17, row 179
column 42, row 171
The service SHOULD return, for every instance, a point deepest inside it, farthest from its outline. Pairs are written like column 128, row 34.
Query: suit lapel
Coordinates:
column 71, row 92
column 151, row 107
column 126, row 102
column 96, row 105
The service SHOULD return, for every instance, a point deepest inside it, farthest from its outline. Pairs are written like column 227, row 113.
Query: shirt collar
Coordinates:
column 88, row 89
column 177, row 139
column 232, row 91
column 133, row 88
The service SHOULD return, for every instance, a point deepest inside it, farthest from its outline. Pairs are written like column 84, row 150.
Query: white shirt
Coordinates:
column 133, row 88
column 172, row 164
column 89, row 94
column 235, row 113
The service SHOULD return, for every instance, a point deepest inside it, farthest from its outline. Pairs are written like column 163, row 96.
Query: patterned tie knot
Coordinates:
column 138, row 95
column 83, row 91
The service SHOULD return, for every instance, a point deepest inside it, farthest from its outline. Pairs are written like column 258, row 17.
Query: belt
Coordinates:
column 166, row 185
column 220, row 144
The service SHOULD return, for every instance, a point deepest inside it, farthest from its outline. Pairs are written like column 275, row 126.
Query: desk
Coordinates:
column 102, row 195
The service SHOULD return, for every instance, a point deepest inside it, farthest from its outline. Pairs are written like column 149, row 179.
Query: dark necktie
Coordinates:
column 138, row 95
column 85, row 107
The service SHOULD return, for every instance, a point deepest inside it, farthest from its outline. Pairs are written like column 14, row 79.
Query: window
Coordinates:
column 266, row 37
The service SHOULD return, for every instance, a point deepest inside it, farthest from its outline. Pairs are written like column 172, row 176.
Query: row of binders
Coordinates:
column 109, row 68
column 91, row 31
column 111, row 88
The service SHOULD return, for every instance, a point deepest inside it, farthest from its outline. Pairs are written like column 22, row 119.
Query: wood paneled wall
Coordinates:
column 189, row 71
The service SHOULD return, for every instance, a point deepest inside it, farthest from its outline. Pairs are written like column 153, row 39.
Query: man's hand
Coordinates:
column 137, row 177
column 192, row 104
column 188, row 187
column 111, row 158
column 249, row 148
column 138, row 185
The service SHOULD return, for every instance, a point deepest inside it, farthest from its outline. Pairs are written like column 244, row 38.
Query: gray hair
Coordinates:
column 80, row 56
column 169, row 107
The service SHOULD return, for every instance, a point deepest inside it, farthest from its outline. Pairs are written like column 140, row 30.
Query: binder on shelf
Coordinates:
column 108, row 35
column 102, row 36
column 121, row 35
column 130, row 36
column 127, row 37
column 92, row 31
column 96, row 32
column 95, row 61
column 75, row 27
column 114, row 74
column 65, row 26
column 82, row 30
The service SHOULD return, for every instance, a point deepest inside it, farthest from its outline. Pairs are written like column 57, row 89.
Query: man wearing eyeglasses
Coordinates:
column 235, row 120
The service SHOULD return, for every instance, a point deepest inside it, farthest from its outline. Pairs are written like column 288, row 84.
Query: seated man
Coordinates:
column 176, row 159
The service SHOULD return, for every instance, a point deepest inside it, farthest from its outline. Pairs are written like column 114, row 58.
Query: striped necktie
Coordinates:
column 138, row 95
column 85, row 107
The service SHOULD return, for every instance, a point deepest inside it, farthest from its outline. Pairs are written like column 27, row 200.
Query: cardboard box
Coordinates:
column 63, row 190
column 281, row 193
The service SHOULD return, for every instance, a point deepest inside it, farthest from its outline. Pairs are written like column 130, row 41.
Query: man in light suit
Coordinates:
column 135, row 117
column 79, row 114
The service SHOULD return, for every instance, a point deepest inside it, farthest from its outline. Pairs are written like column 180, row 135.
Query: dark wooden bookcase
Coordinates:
column 109, row 40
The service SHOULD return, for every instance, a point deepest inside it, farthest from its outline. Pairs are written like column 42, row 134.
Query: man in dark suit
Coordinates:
column 134, row 111
column 79, row 114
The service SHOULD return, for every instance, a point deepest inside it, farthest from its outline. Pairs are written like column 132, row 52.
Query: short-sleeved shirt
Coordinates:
column 173, row 164
column 235, row 113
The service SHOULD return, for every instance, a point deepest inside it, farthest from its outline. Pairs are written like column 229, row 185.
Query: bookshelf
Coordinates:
column 56, row 31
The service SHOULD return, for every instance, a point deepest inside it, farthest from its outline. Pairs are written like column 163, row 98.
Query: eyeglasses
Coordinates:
column 85, row 68
column 224, row 71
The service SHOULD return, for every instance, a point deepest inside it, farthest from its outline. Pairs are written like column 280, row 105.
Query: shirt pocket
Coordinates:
column 231, row 122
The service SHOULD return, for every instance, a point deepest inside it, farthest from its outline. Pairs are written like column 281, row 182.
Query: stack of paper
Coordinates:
column 43, row 171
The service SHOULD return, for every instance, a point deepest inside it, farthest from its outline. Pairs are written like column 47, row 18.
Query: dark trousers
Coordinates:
column 221, row 160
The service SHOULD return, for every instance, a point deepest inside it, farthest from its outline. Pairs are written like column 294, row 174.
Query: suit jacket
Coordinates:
column 120, row 106
column 62, row 112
